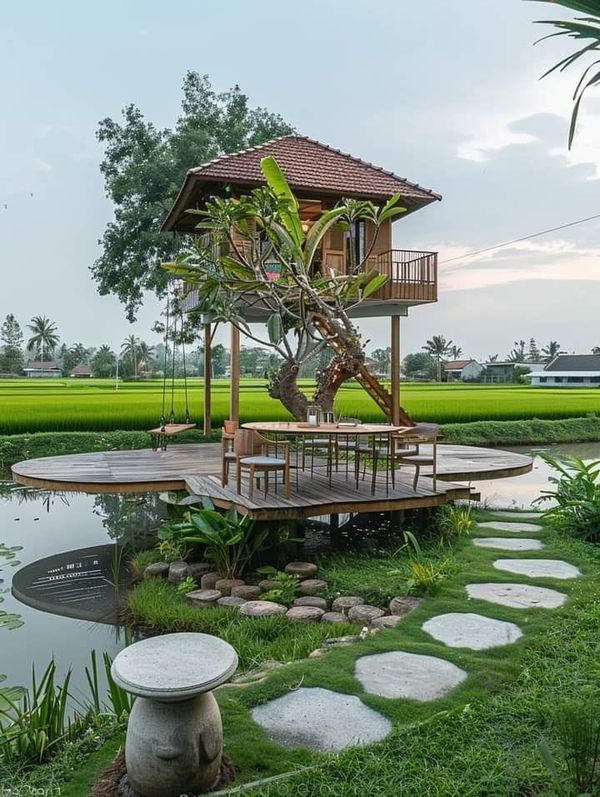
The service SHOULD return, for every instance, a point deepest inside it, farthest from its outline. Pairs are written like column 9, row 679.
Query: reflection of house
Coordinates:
column 462, row 370
column 569, row 370
column 81, row 371
column 39, row 369
column 499, row 373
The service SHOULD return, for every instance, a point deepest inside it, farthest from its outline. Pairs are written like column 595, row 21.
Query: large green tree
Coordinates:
column 11, row 353
column 144, row 167
column 44, row 337
column 438, row 348
column 104, row 362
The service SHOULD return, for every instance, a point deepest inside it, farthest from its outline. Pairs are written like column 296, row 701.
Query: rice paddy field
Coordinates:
column 54, row 405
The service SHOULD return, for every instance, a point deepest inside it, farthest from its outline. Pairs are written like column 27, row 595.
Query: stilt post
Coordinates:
column 234, row 385
column 207, row 381
column 395, row 369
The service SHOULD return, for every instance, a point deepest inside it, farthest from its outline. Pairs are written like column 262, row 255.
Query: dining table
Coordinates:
column 372, row 439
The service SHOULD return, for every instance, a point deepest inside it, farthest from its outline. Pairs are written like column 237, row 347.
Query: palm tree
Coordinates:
column 44, row 335
column 455, row 351
column 144, row 353
column 129, row 348
column 492, row 358
column 550, row 351
column 517, row 355
column 587, row 30
column 596, row 350
column 438, row 347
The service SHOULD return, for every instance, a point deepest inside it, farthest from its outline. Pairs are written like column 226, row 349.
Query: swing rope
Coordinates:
column 172, row 413
column 185, row 384
column 163, row 419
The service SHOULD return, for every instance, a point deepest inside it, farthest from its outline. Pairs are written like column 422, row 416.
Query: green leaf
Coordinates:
column 374, row 285
column 275, row 329
column 289, row 210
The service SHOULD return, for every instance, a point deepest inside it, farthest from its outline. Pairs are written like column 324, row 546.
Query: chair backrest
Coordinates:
column 247, row 442
column 229, row 427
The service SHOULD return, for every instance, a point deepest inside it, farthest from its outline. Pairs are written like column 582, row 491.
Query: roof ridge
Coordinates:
column 196, row 169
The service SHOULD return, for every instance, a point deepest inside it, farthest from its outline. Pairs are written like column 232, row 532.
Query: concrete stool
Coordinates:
column 174, row 736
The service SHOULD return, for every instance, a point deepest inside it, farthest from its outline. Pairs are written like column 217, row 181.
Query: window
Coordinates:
column 575, row 380
column 543, row 380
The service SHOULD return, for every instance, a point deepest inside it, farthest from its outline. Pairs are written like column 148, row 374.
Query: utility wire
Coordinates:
column 518, row 240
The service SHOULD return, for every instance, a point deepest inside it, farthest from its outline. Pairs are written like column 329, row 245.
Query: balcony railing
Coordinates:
column 412, row 276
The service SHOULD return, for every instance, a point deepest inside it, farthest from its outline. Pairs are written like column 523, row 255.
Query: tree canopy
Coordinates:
column 144, row 167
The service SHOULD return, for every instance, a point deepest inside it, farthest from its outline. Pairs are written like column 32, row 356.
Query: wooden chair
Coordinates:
column 227, row 453
column 419, row 434
column 251, row 450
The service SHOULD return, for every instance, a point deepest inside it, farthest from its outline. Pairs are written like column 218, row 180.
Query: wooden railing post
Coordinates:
column 207, row 381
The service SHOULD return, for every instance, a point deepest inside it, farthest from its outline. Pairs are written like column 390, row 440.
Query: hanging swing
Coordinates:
column 169, row 427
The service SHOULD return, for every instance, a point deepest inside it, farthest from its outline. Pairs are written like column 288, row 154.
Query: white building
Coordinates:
column 42, row 369
column 462, row 370
column 569, row 370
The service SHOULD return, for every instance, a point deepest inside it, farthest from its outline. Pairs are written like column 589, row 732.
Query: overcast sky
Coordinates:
column 444, row 93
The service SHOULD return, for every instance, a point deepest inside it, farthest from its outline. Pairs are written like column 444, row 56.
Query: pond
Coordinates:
column 46, row 524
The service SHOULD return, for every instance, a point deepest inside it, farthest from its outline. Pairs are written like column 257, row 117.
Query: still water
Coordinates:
column 45, row 524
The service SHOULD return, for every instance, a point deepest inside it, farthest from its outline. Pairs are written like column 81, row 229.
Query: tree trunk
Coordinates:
column 283, row 386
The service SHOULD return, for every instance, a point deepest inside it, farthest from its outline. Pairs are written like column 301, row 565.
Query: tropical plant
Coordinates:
column 453, row 521
column 425, row 576
column 230, row 540
column 577, row 725
column 103, row 362
column 129, row 351
column 187, row 584
column 517, row 355
column 575, row 498
column 455, row 352
column 587, row 31
column 309, row 302
column 171, row 550
column 44, row 336
column 550, row 350
column 286, row 586
column 438, row 348
column 119, row 702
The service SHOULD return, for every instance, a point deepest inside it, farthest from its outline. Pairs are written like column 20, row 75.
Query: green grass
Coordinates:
column 36, row 405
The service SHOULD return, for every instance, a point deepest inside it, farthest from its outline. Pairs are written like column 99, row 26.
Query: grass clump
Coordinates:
column 157, row 605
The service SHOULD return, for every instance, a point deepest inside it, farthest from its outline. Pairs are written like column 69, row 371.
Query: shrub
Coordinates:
column 576, row 497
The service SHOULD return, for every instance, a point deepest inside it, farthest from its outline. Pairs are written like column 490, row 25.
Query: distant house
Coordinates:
column 500, row 373
column 569, row 370
column 81, row 371
column 39, row 369
column 462, row 370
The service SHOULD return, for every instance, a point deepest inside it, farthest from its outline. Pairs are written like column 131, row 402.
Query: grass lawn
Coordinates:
column 35, row 405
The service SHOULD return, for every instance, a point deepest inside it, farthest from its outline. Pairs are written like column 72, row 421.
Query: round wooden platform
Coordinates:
column 145, row 470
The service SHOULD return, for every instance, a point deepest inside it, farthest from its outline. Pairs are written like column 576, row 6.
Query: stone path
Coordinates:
column 507, row 544
column 516, row 515
column 324, row 720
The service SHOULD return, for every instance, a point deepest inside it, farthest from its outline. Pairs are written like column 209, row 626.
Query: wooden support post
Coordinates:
column 234, row 385
column 207, row 381
column 395, row 369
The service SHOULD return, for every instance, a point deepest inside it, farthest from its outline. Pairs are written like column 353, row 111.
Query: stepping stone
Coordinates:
column 402, row 606
column 517, row 515
column 204, row 598
column 538, row 568
column 515, row 528
column 209, row 580
column 267, row 583
column 177, row 572
column 346, row 602
column 246, row 591
column 312, row 586
column 364, row 614
column 230, row 600
column 301, row 569
column 321, row 720
column 262, row 608
column 157, row 570
column 225, row 585
column 197, row 569
column 389, row 621
column 407, row 675
column 508, row 544
column 304, row 614
column 334, row 617
column 474, row 631
column 311, row 600
column 518, row 596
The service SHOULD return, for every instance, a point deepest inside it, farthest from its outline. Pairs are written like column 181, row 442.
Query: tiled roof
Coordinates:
column 308, row 166
column 82, row 368
column 456, row 365
column 47, row 365
column 575, row 362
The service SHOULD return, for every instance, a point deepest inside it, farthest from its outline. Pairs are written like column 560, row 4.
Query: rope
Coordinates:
column 172, row 413
column 163, row 420
column 185, row 385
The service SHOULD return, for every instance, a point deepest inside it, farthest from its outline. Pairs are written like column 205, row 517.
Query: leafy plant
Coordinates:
column 575, row 497
column 286, row 585
column 172, row 550
column 425, row 576
column 578, row 728
column 119, row 700
column 187, row 584
column 453, row 521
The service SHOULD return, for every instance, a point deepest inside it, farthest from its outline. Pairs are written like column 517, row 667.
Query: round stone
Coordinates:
column 473, row 631
column 209, row 580
column 508, row 543
column 301, row 569
column 197, row 569
column 364, row 614
column 526, row 516
column 304, row 614
column 174, row 667
column 334, row 617
column 203, row 597
column 267, row 584
column 177, row 571
column 157, row 570
column 402, row 606
column 230, row 600
column 388, row 621
column 346, row 602
column 321, row 720
column 407, row 675
column 262, row 608
column 311, row 600
column 225, row 585
column 518, row 596
column 538, row 568
column 312, row 586
column 245, row 591
column 515, row 528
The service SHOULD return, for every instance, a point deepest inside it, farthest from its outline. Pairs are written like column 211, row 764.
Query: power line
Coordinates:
column 518, row 240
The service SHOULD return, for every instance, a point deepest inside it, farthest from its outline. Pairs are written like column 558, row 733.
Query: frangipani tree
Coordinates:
column 257, row 253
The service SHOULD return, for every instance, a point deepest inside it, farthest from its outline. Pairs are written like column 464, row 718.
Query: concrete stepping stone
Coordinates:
column 204, row 598
column 304, row 614
column 303, row 570
column 407, row 675
column 388, row 621
column 246, row 591
column 231, row 601
column 321, row 720
column 262, row 608
column 518, row 596
column 312, row 600
column 312, row 586
column 364, row 613
column 473, row 631
column 515, row 528
column 225, row 585
column 517, row 515
column 538, row 568
column 334, row 617
column 508, row 544
column 345, row 602
column 404, row 605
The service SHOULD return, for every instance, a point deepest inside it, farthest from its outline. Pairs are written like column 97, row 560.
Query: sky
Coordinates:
column 446, row 94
